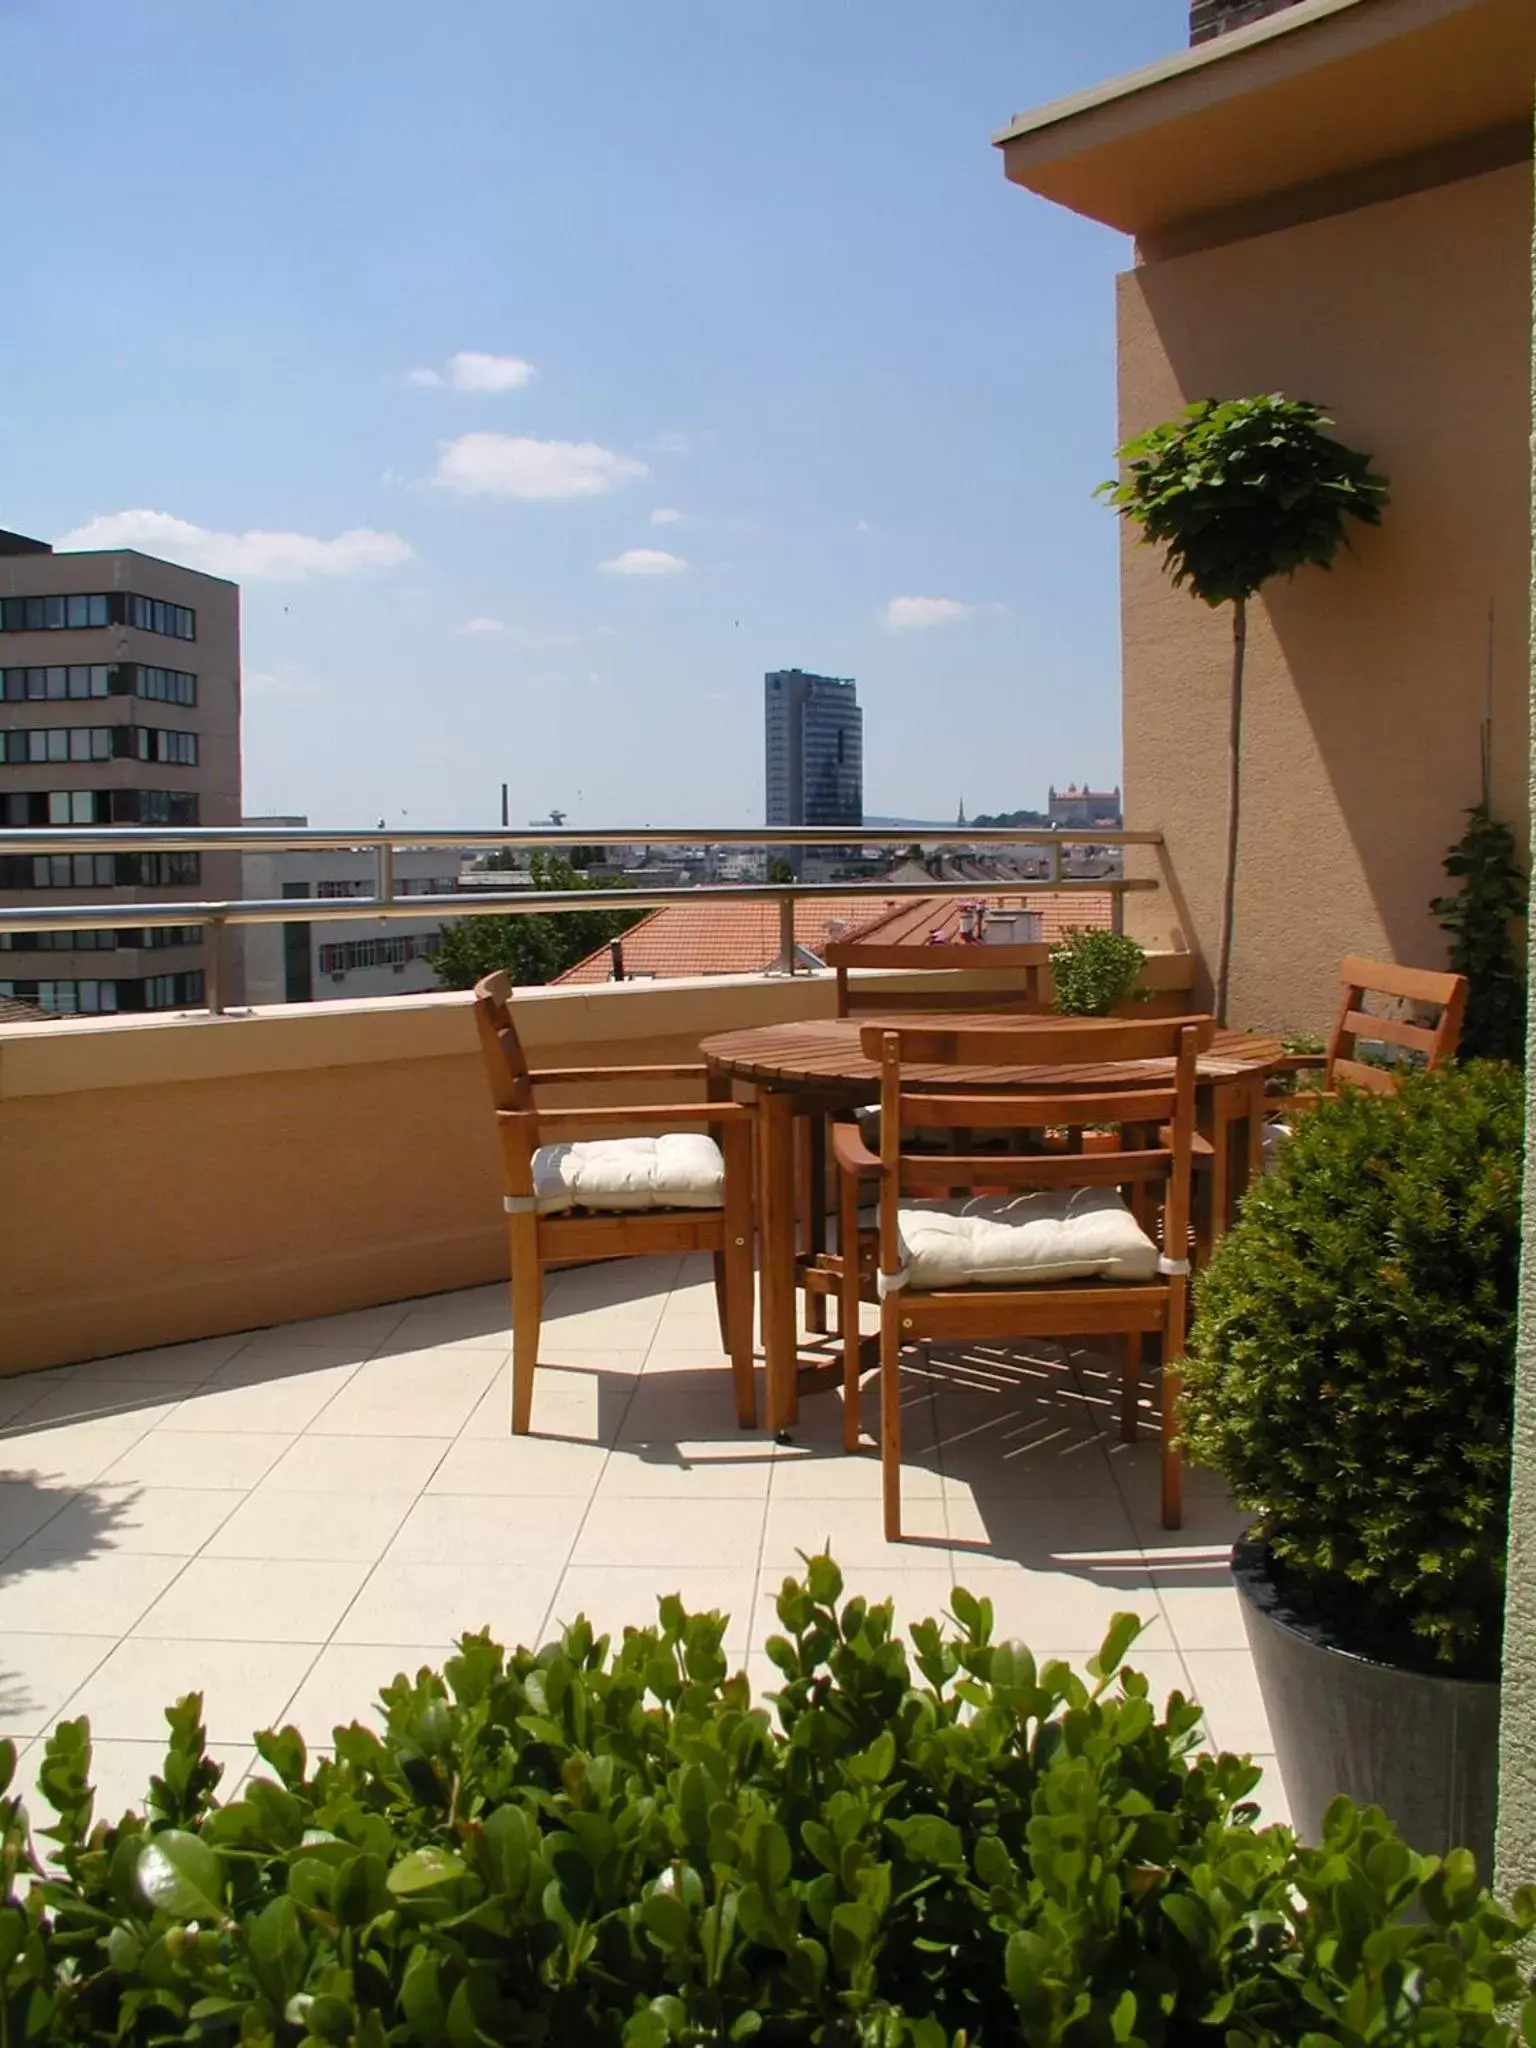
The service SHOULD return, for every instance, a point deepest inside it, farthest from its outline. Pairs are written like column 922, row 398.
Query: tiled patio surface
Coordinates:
column 286, row 1518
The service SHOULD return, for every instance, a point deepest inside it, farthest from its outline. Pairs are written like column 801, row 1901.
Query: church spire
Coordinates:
column 960, row 820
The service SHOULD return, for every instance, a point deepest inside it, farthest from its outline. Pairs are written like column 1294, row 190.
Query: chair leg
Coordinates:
column 815, row 1196
column 890, row 1420
column 1173, row 1358
column 1130, row 1387
column 722, row 1302
column 733, row 1273
column 527, row 1313
column 848, row 1305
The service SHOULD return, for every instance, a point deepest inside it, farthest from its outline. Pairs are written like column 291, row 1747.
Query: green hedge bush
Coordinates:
column 1351, row 1370
column 579, row 1847
column 1093, row 972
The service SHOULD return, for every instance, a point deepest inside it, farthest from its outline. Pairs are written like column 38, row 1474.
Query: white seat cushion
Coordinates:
column 680, row 1170
column 1019, row 1240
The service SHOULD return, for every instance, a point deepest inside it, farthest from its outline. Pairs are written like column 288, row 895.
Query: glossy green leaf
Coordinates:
column 180, row 1875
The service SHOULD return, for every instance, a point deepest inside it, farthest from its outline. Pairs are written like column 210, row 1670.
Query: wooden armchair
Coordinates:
column 1362, row 979
column 1018, row 968
column 572, row 1195
column 1080, row 1259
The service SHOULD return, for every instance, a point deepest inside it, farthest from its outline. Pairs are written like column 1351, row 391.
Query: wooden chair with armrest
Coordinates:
column 1019, row 969
column 572, row 1194
column 1426, row 988
column 1083, row 1260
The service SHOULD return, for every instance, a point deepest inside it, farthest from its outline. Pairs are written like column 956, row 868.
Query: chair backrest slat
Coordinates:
column 1014, row 961
column 937, row 1173
column 1052, row 1042
column 1424, row 986
column 1036, row 1110
column 505, row 1066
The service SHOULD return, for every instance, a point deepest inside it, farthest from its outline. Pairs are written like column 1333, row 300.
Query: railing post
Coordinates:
column 1117, row 910
column 786, row 960
column 385, row 882
column 217, row 963
column 1055, row 862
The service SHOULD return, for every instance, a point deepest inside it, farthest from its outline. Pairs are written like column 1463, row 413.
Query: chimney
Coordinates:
column 1208, row 18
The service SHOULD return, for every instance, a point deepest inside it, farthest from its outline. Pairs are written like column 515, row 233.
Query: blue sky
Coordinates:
column 756, row 267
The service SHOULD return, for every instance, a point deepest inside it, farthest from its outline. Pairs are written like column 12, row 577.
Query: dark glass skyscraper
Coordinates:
column 814, row 733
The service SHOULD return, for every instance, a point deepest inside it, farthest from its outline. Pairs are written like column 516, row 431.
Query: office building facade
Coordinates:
column 814, row 732
column 119, row 705
column 325, row 962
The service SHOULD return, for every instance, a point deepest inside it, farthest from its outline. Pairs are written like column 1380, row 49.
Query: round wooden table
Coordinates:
column 806, row 1070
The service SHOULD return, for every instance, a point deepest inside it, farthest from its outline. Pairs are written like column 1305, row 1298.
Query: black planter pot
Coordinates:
column 1423, row 1748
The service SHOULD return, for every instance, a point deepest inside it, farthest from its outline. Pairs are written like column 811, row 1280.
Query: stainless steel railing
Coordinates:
column 218, row 915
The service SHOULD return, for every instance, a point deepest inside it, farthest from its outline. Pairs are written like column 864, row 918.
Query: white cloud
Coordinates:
column 471, row 370
column 644, row 562
column 915, row 614
column 517, row 466
column 665, row 515
column 483, row 626
column 253, row 557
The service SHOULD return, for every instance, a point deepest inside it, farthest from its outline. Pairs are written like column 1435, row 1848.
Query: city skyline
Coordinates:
column 456, row 443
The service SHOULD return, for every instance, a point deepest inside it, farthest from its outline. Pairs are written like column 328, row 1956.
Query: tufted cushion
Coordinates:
column 1016, row 1240
column 677, row 1171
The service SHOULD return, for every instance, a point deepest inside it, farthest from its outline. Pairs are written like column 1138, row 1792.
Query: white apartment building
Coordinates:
column 325, row 961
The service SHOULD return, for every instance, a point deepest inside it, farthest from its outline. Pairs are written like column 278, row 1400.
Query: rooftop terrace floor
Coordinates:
column 285, row 1518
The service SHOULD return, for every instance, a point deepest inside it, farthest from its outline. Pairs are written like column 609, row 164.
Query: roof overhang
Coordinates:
column 1326, row 91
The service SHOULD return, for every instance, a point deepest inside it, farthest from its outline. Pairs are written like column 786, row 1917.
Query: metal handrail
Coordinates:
column 216, row 915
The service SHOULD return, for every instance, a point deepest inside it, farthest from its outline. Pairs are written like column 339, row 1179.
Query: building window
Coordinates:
column 90, row 940
column 99, row 870
column 153, row 615
column 162, row 685
column 37, row 685
column 95, row 998
column 24, row 807
column 343, row 888
column 350, row 954
column 99, row 743
column 52, row 614
column 71, row 613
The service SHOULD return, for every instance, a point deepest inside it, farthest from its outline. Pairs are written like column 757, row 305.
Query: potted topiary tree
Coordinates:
column 1237, row 491
column 1351, row 1375
column 1093, row 972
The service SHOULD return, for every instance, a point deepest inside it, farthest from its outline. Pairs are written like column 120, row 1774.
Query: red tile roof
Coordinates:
column 14, row 1011
column 687, row 939
column 912, row 920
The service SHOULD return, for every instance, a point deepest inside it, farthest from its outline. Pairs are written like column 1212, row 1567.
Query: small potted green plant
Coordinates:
column 1094, row 972
column 1351, row 1376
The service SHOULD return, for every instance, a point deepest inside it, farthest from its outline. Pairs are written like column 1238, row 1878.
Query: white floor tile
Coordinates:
column 70, row 1455
column 447, row 1528
column 183, row 1363
column 413, row 1603
column 723, row 1533
column 340, row 1527
column 26, row 1505
column 853, row 1531
column 1058, row 1611
column 534, row 1467
column 101, row 1401
column 1227, row 1689
column 175, row 1457
column 803, row 1474
column 267, row 1405
column 706, row 1470
column 253, row 1600
column 322, row 1463
column 158, row 1521
column 38, row 1673
column 99, row 1595
column 245, row 1687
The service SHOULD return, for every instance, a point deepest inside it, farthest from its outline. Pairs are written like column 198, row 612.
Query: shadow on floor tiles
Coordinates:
column 78, row 1522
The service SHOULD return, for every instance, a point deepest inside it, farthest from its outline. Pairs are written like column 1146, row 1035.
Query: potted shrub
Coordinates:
column 1094, row 972
column 615, row 1848
column 1351, row 1375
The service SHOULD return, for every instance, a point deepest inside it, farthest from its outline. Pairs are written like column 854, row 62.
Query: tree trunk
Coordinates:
column 1234, row 804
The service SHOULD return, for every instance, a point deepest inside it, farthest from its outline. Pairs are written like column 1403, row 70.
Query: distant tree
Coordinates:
column 535, row 947
column 780, row 871
column 502, row 860
column 1006, row 820
column 1237, row 491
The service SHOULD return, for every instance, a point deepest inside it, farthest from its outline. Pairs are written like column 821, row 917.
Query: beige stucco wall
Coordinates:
column 186, row 1176
column 1516, row 1854
column 1411, row 322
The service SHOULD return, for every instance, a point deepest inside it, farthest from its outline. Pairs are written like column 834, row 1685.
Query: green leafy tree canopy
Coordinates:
column 532, row 947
